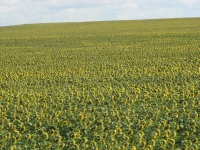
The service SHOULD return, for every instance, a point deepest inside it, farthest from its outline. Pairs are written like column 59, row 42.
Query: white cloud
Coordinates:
column 130, row 6
column 123, row 17
column 191, row 2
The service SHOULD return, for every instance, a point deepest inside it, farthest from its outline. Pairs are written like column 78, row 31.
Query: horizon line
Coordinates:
column 38, row 23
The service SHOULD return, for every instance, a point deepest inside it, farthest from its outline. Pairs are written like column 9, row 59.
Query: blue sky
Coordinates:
column 14, row 12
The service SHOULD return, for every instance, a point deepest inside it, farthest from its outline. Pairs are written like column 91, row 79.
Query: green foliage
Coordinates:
column 101, row 85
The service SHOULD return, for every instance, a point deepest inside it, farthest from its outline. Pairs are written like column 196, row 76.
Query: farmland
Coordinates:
column 101, row 85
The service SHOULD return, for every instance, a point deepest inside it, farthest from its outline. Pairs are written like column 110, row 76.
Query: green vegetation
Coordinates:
column 101, row 85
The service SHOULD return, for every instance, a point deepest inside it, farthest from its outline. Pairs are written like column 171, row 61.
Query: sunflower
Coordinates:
column 162, row 142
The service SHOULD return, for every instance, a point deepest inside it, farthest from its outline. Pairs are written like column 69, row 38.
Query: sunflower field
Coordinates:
column 115, row 85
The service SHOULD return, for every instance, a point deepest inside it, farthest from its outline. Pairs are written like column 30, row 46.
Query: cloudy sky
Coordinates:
column 14, row 12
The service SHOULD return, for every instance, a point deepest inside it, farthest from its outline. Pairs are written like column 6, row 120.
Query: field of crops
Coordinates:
column 127, row 85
